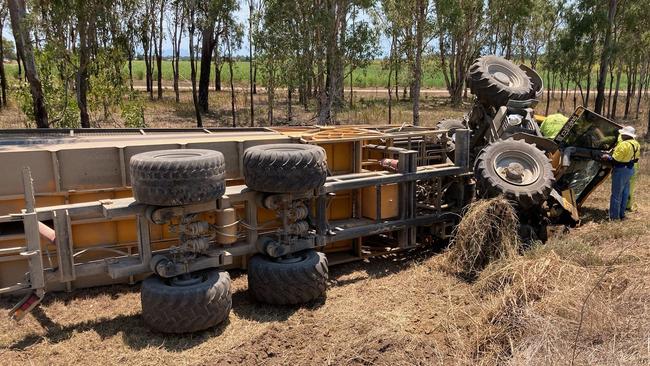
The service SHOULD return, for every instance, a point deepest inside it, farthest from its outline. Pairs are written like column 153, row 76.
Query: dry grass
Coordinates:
column 487, row 233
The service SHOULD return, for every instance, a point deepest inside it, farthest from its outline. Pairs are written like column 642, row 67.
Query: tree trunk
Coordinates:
column 640, row 91
column 255, row 79
column 82, row 73
column 20, row 67
column 397, row 80
column 561, row 94
column 612, row 113
column 417, row 65
column 548, row 91
column 233, row 108
column 3, row 75
column 131, row 72
column 250, row 60
column 351, row 90
column 145, row 51
column 605, row 58
column 628, row 95
column 289, row 111
column 611, row 87
column 178, row 23
column 390, row 71
column 207, row 46
column 24, row 50
column 159, row 49
column 217, row 65
column 270, row 94
column 178, row 29
column 195, row 99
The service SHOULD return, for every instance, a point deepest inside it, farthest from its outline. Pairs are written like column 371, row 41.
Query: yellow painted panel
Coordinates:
column 126, row 193
column 155, row 232
column 44, row 201
column 342, row 158
column 90, row 196
column 341, row 206
column 126, row 231
column 92, row 234
column 166, row 234
column 15, row 205
column 389, row 202
column 11, row 206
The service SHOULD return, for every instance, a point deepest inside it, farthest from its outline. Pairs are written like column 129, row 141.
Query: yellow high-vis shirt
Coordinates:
column 626, row 151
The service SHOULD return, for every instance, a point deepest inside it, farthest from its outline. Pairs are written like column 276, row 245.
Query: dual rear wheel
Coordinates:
column 202, row 300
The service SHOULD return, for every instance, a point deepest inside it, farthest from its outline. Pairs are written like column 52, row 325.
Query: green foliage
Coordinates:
column 107, row 82
column 59, row 97
column 132, row 111
column 9, row 49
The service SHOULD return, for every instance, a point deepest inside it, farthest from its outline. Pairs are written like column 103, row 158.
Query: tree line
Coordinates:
column 71, row 52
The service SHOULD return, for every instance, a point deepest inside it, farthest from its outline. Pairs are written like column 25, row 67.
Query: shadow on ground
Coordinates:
column 134, row 333
column 591, row 214
column 137, row 336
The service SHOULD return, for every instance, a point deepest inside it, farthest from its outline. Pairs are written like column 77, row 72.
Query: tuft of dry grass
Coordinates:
column 487, row 232
column 561, row 304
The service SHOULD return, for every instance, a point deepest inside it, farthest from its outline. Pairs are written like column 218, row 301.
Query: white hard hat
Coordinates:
column 628, row 131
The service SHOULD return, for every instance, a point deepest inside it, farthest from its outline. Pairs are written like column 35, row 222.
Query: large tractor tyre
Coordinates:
column 178, row 177
column 451, row 125
column 495, row 80
column 288, row 281
column 186, row 305
column 513, row 168
column 285, row 168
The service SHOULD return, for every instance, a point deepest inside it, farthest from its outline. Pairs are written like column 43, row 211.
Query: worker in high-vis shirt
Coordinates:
column 625, row 155
column 631, row 204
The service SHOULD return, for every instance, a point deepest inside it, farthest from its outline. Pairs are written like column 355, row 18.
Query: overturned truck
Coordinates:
column 178, row 208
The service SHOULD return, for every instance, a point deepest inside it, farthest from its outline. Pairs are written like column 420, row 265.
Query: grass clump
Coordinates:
column 487, row 233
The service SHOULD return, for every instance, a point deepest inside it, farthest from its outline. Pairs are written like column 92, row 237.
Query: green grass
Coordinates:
column 372, row 76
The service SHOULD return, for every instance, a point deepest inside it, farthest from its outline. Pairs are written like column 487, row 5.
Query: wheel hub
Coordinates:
column 289, row 259
column 515, row 171
column 517, row 167
column 182, row 281
column 502, row 78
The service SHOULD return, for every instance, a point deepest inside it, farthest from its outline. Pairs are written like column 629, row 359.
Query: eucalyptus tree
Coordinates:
column 214, row 19
column 177, row 23
column 458, row 26
column 24, row 49
column 361, row 45
column 4, row 11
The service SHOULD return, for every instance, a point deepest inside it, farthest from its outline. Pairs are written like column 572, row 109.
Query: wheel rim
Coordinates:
column 517, row 168
column 504, row 75
column 178, row 155
column 290, row 259
column 184, row 281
